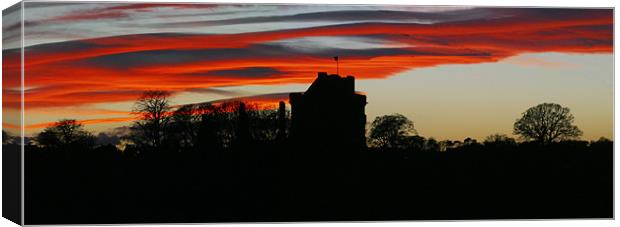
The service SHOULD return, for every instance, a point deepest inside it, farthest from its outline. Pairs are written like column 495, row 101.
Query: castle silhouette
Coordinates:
column 330, row 114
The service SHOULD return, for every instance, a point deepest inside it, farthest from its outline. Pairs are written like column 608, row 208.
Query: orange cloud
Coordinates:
column 113, row 69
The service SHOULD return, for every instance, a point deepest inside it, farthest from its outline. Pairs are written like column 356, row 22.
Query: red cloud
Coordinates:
column 74, row 77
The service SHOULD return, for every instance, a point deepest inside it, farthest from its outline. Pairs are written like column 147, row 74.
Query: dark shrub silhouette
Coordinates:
column 7, row 138
column 414, row 143
column 499, row 140
column 432, row 145
column 185, row 126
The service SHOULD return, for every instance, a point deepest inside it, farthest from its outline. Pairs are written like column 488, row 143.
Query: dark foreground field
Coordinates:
column 272, row 182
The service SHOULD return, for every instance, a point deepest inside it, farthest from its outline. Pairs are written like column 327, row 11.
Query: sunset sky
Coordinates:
column 457, row 72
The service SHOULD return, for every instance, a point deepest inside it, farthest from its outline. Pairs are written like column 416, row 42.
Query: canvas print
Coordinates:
column 121, row 112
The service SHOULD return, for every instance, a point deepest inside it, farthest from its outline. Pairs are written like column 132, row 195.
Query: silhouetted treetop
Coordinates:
column 390, row 131
column 499, row 140
column 546, row 123
column 152, row 105
column 63, row 133
column 153, row 110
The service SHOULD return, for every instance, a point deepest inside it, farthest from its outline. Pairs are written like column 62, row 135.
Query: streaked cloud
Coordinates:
column 247, row 72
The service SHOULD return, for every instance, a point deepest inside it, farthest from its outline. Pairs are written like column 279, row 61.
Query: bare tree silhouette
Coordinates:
column 546, row 123
column 152, row 108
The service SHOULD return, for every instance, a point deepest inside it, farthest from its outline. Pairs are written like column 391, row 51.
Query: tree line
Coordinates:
column 214, row 126
column 542, row 124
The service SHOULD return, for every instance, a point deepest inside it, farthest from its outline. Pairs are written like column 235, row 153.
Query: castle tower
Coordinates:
column 330, row 114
